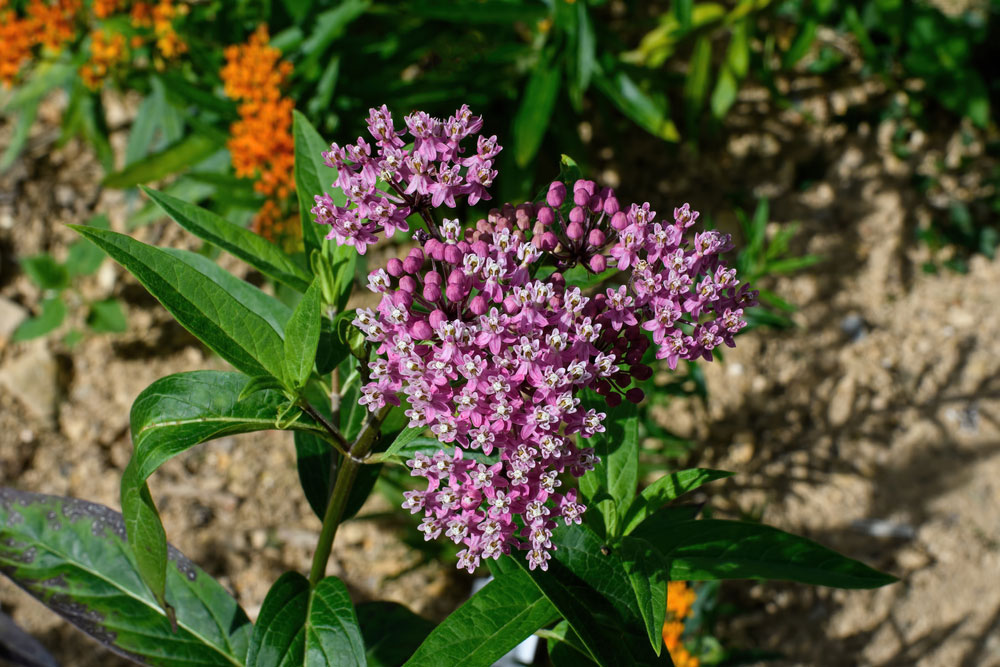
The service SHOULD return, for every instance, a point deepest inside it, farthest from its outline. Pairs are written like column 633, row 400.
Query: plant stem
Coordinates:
column 346, row 475
column 339, row 442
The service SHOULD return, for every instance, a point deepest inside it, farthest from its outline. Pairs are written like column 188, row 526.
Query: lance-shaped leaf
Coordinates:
column 302, row 337
column 72, row 556
column 391, row 632
column 312, row 177
column 490, row 623
column 170, row 416
column 715, row 549
column 227, row 324
column 298, row 626
column 185, row 153
column 667, row 488
column 539, row 99
column 612, row 482
column 239, row 241
column 647, row 574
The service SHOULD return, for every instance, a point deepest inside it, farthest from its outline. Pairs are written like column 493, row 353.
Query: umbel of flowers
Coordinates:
column 490, row 355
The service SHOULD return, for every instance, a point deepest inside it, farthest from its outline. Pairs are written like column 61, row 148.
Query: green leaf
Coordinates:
column 72, row 556
column 696, row 83
column 45, row 271
column 297, row 9
column 84, row 257
column 799, row 48
column 311, row 178
column 316, row 462
column 589, row 614
column 19, row 138
column 52, row 315
column 586, row 60
column 724, row 94
column 345, row 261
column 302, row 337
column 715, row 549
column 279, row 634
column 683, row 12
column 299, row 626
column 391, row 632
column 738, row 53
column 327, row 28
column 488, row 625
column 407, row 436
column 170, row 416
column 188, row 151
column 649, row 114
column 537, row 102
column 612, row 482
column 107, row 316
column 644, row 566
column 667, row 488
column 332, row 634
column 238, row 241
column 236, row 333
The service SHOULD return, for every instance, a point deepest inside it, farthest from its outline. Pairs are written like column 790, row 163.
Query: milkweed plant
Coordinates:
column 501, row 364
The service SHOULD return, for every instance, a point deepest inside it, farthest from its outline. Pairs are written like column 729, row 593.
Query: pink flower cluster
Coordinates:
column 478, row 329
column 432, row 173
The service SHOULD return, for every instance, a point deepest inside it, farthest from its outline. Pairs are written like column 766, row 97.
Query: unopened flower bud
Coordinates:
column 455, row 293
column 598, row 263
column 577, row 214
column 436, row 318
column 584, row 184
column 619, row 221
column 480, row 248
column 452, row 254
column 408, row 284
column 421, row 330
column 613, row 399
column 412, row 264
column 549, row 241
column 432, row 278
column 431, row 292
column 641, row 372
column 394, row 267
column 596, row 238
column 546, row 215
column 611, row 206
column 635, row 395
column 478, row 305
column 556, row 195
column 581, row 197
column 456, row 277
column 510, row 305
column 574, row 231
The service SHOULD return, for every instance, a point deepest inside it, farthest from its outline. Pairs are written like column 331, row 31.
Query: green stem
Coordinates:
column 346, row 475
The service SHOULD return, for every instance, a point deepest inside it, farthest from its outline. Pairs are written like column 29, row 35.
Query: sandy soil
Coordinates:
column 877, row 414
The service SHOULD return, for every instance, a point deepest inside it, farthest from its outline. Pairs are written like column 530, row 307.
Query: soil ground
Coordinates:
column 872, row 426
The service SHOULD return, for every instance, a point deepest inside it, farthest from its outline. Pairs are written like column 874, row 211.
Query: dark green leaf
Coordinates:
column 170, row 416
column 649, row 114
column 45, row 271
column 299, row 626
column 107, row 316
column 345, row 261
column 302, row 337
column 332, row 634
column 187, row 152
column 724, row 94
column 598, row 564
column 715, row 549
column 84, row 257
column 799, row 48
column 683, row 11
column 239, row 241
column 537, row 102
column 52, row 315
column 645, row 568
column 406, row 437
column 72, row 556
column 738, row 53
column 696, row 84
column 315, row 460
column 327, row 27
column 391, row 632
column 667, row 488
column 488, row 625
column 239, row 335
column 586, row 61
column 312, row 177
column 612, row 483
column 279, row 634
column 297, row 9
column 473, row 11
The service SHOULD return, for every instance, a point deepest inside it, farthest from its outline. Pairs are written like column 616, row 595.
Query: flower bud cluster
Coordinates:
column 431, row 173
column 479, row 331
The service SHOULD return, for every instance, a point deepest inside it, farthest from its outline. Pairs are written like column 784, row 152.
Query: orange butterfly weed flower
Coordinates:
column 105, row 8
column 680, row 603
column 107, row 49
column 51, row 25
column 168, row 43
column 261, row 142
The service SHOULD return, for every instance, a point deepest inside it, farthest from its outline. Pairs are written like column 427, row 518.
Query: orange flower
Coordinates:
column 106, row 51
column 43, row 24
column 105, row 8
column 680, row 602
column 261, row 141
column 168, row 42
